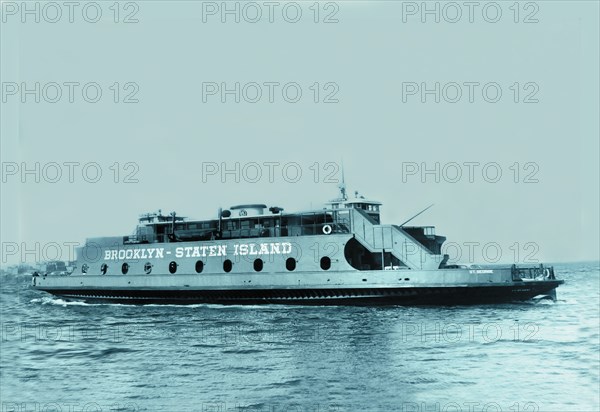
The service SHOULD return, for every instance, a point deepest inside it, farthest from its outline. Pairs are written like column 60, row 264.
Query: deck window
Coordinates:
column 199, row 266
column 173, row 267
column 148, row 268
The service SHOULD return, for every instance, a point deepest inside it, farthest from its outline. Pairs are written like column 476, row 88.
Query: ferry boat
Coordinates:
column 250, row 254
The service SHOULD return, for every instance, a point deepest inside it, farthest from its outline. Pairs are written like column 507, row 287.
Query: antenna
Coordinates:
column 342, row 185
column 416, row 215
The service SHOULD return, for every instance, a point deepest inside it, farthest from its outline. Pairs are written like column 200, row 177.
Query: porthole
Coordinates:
column 125, row 268
column 325, row 263
column 104, row 268
column 290, row 264
column 227, row 265
column 84, row 268
column 173, row 267
column 148, row 268
column 199, row 266
column 258, row 265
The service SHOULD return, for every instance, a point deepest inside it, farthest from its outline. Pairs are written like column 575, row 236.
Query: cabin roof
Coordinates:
column 354, row 202
column 250, row 206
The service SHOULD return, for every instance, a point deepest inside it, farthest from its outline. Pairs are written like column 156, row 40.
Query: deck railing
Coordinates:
column 535, row 272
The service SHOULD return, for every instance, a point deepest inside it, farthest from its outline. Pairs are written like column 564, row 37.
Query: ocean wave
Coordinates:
column 47, row 300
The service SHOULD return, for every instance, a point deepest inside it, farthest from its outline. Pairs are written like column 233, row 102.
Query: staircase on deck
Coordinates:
column 391, row 238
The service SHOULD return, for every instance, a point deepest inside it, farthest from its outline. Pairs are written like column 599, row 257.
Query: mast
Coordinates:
column 342, row 185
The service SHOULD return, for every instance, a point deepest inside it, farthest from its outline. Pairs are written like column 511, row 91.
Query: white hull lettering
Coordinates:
column 286, row 248
column 263, row 249
column 200, row 251
column 136, row 254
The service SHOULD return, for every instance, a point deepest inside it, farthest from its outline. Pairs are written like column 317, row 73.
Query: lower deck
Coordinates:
column 384, row 287
column 365, row 296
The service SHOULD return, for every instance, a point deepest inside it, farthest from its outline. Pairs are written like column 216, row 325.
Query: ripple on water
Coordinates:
column 184, row 358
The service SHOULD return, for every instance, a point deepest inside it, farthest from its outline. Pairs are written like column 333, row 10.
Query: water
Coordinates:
column 544, row 356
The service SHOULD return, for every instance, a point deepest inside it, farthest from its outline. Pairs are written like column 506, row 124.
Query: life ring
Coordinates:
column 243, row 212
column 327, row 229
column 547, row 273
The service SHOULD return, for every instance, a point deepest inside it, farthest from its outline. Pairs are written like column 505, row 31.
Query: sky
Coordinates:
column 490, row 114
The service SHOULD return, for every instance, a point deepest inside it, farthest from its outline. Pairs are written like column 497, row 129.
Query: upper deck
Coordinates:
column 242, row 224
column 341, row 216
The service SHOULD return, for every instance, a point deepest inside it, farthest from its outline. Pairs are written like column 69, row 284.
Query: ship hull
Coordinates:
column 380, row 296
